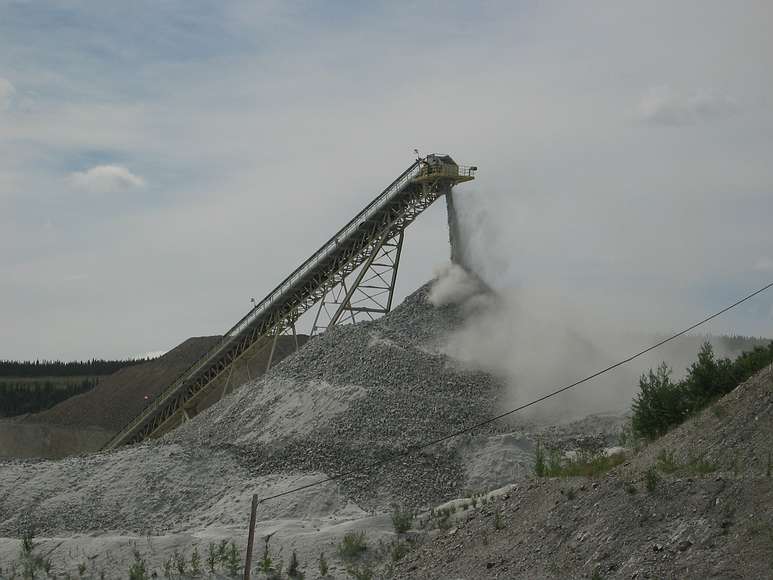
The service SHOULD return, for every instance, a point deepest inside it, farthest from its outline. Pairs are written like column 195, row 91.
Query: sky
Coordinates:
column 163, row 162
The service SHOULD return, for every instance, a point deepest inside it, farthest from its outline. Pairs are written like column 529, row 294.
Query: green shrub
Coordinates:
column 499, row 522
column 360, row 573
column 138, row 568
column 708, row 378
column 398, row 550
column 661, row 404
column 651, row 479
column 539, row 465
column 402, row 519
column 212, row 558
column 323, row 565
column 266, row 564
column 27, row 542
column 195, row 562
column 583, row 464
column 699, row 466
column 666, row 462
column 233, row 560
column 180, row 563
column 352, row 545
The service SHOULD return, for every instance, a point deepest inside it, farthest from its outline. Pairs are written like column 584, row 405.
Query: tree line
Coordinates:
column 57, row 368
column 18, row 398
column 662, row 403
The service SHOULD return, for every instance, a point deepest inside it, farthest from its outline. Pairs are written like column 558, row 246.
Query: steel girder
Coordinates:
column 369, row 295
column 380, row 234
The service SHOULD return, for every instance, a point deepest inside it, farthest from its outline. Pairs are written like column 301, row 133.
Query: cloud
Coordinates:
column 105, row 179
column 664, row 106
column 764, row 264
column 7, row 92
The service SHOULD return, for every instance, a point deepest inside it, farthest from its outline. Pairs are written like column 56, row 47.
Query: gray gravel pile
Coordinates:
column 381, row 388
column 148, row 488
column 353, row 396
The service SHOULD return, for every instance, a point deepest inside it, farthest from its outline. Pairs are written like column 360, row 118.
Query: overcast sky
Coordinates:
column 162, row 162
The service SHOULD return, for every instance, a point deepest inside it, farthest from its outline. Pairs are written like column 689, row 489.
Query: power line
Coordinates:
column 558, row 391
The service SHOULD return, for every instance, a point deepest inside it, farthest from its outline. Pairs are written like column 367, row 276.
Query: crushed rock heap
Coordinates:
column 356, row 395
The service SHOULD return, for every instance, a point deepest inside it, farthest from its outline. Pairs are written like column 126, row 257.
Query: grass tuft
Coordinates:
column 352, row 545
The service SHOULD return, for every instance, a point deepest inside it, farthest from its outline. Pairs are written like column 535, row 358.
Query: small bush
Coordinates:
column 666, row 462
column 323, row 565
column 180, row 563
column 195, row 562
column 352, row 545
column 27, row 543
column 233, row 559
column 630, row 488
column 402, row 519
column 360, row 573
column 266, row 564
column 212, row 558
column 651, row 479
column 584, row 464
column 138, row 568
column 539, row 465
column 398, row 550
column 499, row 522
column 222, row 551
column 699, row 466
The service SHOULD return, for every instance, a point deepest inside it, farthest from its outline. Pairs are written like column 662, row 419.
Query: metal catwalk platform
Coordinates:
column 351, row 277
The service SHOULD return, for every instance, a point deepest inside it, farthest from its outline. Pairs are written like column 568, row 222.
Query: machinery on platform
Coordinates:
column 350, row 278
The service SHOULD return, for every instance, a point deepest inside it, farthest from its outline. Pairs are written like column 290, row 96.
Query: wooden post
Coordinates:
column 251, row 537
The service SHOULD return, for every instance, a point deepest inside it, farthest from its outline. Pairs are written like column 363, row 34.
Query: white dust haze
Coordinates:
column 538, row 339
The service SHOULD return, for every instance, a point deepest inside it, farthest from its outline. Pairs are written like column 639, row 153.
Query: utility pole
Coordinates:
column 251, row 537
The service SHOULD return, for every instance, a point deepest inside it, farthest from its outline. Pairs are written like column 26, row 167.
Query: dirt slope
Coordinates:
column 715, row 525
column 120, row 397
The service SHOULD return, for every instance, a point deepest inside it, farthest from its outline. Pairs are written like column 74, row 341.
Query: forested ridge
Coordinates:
column 33, row 386
column 57, row 368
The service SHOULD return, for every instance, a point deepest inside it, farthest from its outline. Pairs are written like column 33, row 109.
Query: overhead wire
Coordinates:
column 420, row 447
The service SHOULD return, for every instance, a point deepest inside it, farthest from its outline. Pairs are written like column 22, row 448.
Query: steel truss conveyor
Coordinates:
column 370, row 245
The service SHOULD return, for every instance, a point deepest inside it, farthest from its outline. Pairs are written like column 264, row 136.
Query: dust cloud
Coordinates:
column 537, row 340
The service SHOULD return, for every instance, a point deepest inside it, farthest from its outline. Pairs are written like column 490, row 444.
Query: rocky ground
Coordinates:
column 696, row 504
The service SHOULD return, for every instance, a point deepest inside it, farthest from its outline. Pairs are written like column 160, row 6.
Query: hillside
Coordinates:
column 709, row 513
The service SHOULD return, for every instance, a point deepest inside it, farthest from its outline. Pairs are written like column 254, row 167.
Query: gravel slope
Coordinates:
column 717, row 525
column 358, row 394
